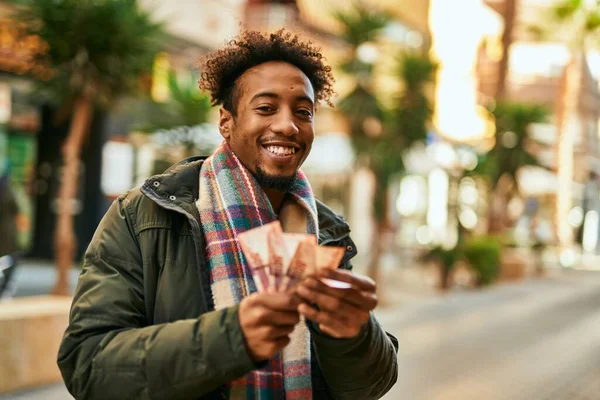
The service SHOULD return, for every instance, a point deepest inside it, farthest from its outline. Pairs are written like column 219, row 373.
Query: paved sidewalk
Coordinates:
column 536, row 340
column 32, row 278
column 37, row 277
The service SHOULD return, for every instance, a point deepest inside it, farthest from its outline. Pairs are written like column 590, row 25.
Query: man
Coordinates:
column 8, row 235
column 166, row 307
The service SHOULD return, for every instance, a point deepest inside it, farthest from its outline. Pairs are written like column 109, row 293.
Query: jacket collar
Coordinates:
column 178, row 186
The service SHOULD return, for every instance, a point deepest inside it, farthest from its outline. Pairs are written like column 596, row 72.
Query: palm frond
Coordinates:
column 361, row 24
column 592, row 22
column 514, row 119
column 101, row 46
column 416, row 70
column 566, row 9
column 187, row 106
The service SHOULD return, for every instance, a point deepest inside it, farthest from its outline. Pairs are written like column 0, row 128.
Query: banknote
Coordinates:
column 329, row 257
column 303, row 248
column 278, row 258
column 255, row 246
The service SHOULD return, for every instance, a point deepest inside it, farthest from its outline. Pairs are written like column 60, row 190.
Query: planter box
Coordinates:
column 516, row 264
column 31, row 329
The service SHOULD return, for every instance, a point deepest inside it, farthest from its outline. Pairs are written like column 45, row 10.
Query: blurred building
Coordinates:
column 117, row 158
column 20, row 121
column 333, row 177
column 31, row 135
column 536, row 73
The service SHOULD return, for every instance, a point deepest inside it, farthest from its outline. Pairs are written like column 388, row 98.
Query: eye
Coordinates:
column 304, row 112
column 265, row 108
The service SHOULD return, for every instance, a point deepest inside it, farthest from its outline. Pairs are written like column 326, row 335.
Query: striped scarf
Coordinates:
column 231, row 202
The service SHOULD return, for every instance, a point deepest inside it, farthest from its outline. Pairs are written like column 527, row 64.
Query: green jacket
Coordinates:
column 143, row 326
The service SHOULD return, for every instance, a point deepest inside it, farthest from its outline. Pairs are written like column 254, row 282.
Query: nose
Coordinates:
column 284, row 124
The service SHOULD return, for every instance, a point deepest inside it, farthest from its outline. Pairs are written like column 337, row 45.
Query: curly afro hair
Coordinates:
column 222, row 68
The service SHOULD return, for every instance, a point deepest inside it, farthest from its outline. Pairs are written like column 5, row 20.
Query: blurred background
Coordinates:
column 463, row 149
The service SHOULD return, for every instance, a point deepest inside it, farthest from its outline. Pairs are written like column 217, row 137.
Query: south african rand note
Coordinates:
column 278, row 258
column 329, row 257
column 291, row 242
column 254, row 244
column 304, row 257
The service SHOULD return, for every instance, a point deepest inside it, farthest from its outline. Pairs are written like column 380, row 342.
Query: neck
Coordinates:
column 276, row 198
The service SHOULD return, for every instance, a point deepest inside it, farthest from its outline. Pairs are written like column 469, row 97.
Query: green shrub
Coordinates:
column 483, row 253
column 446, row 260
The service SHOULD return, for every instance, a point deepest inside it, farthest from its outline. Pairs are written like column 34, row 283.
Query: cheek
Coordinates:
column 309, row 138
column 243, row 142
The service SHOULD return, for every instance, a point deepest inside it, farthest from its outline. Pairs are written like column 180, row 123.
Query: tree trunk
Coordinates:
column 379, row 235
column 569, row 127
column 65, row 242
column 507, row 39
column 444, row 276
column 498, row 208
column 376, row 250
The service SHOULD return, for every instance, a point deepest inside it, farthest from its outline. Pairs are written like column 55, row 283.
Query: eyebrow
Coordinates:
column 277, row 97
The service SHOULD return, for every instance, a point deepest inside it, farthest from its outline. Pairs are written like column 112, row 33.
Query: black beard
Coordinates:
column 279, row 183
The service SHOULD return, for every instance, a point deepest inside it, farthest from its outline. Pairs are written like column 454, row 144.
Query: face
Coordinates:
column 273, row 131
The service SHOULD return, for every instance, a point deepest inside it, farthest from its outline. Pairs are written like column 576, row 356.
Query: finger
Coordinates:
column 331, row 332
column 280, row 343
column 362, row 282
column 280, row 301
column 353, row 295
column 273, row 333
column 326, row 301
column 312, row 289
column 333, row 320
column 266, row 316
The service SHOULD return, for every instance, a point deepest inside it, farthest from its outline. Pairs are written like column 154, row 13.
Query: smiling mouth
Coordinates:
column 281, row 150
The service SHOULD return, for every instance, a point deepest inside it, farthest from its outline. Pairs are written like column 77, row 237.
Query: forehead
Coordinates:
column 277, row 77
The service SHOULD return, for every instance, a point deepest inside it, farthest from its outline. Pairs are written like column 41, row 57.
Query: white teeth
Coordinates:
column 281, row 151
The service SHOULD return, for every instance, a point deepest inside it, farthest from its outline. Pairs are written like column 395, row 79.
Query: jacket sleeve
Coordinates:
column 364, row 367
column 108, row 352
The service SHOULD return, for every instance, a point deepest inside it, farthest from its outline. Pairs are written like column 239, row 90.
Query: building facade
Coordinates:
column 537, row 73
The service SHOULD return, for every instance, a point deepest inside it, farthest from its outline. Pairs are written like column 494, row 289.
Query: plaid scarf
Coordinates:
column 231, row 202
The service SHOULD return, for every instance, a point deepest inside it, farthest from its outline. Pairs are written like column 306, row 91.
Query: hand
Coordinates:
column 342, row 312
column 267, row 319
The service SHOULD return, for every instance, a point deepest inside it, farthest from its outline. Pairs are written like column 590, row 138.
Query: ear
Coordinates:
column 225, row 123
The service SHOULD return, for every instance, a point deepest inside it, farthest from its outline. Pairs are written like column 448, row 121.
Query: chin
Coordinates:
column 275, row 170
column 279, row 181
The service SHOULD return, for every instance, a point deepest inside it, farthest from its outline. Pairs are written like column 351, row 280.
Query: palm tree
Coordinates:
column 186, row 109
column 97, row 50
column 186, row 105
column 404, row 125
column 576, row 23
column 379, row 136
column 508, row 15
column 510, row 153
